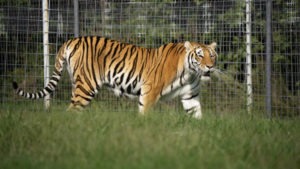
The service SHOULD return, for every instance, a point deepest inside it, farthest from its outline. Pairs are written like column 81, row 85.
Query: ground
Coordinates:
column 98, row 138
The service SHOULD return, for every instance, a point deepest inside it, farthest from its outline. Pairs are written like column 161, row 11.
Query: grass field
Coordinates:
column 97, row 138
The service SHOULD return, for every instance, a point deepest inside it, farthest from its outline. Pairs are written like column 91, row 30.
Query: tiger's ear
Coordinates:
column 188, row 46
column 213, row 45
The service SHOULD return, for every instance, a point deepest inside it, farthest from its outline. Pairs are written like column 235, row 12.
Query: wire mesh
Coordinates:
column 152, row 23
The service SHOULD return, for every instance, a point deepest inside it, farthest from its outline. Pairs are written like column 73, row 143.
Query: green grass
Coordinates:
column 97, row 138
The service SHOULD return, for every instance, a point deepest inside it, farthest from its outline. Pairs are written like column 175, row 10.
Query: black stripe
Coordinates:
column 161, row 62
column 57, row 72
column 85, row 98
column 166, row 56
column 78, row 79
column 70, row 42
column 122, row 90
column 121, row 68
column 97, row 59
column 97, row 41
column 126, row 54
column 115, row 50
column 53, row 85
column 128, row 89
column 103, row 47
column 30, row 95
column 40, row 94
column 187, row 110
column 141, row 104
column 148, row 54
column 91, row 46
column 105, row 57
column 163, row 48
column 117, row 81
column 87, row 80
column 132, row 71
column 111, row 62
column 131, row 51
column 190, row 62
column 92, row 62
column 138, row 92
column 193, row 96
column 102, row 72
column 196, row 86
column 48, row 89
column 116, row 67
column 87, row 55
column 134, row 82
column 54, row 78
column 78, row 63
column 83, row 90
column 108, row 76
column 143, row 64
column 181, row 49
column 121, row 78
column 120, row 81
column 193, row 80
column 44, row 94
column 74, row 49
column 177, row 49
column 123, row 59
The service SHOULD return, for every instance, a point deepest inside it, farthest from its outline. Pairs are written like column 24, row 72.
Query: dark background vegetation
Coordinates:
column 151, row 24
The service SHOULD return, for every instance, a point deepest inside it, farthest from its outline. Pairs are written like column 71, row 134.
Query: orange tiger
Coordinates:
column 174, row 69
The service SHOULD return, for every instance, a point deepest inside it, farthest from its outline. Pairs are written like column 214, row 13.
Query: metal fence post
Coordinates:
column 248, row 57
column 46, row 49
column 76, row 19
column 268, row 57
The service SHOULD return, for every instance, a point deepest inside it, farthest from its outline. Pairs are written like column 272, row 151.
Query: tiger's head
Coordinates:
column 201, row 58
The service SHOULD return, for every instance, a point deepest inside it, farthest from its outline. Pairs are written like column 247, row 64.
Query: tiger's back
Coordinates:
column 128, row 70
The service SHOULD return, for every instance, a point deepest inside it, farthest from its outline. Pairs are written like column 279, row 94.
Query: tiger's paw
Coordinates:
column 205, row 78
column 197, row 116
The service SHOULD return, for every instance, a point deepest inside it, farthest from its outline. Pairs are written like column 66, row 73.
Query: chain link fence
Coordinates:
column 153, row 23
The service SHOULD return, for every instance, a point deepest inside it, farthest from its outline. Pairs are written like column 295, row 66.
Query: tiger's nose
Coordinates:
column 209, row 67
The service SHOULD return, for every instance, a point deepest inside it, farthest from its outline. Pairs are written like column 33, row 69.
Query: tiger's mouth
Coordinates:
column 207, row 74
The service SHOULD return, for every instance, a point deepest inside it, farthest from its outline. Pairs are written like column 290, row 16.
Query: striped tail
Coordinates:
column 60, row 59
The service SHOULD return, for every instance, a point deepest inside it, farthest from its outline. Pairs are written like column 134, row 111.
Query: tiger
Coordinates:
column 149, row 74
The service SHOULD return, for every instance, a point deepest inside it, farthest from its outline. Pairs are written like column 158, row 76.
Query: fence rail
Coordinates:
column 152, row 23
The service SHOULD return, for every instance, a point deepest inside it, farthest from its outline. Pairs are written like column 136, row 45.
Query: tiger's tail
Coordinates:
column 59, row 63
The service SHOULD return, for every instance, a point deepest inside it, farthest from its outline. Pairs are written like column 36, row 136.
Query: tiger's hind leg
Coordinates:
column 72, row 105
column 81, row 96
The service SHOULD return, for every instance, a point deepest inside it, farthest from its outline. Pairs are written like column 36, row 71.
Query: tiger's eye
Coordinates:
column 199, row 53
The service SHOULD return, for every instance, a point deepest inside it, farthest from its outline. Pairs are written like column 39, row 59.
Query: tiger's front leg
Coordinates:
column 191, row 104
column 148, row 98
column 146, row 103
